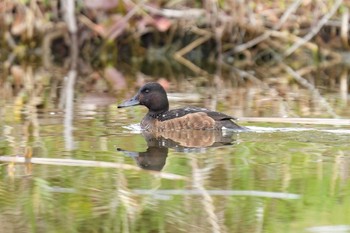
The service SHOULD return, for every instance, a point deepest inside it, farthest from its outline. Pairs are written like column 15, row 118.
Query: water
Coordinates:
column 89, row 168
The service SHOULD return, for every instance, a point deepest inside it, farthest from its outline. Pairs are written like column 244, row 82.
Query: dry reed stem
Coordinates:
column 177, row 14
column 91, row 25
column 87, row 163
column 315, row 121
column 68, row 8
column 285, row 111
column 179, row 55
column 218, row 192
column 287, row 13
column 119, row 27
column 314, row 30
column 253, row 42
column 344, row 30
column 344, row 85
column 268, row 33
column 69, row 109
column 311, row 88
column 207, row 200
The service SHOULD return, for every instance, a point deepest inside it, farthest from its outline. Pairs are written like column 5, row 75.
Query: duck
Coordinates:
column 159, row 118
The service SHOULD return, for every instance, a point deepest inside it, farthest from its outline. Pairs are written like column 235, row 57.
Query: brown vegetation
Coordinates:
column 269, row 44
column 225, row 31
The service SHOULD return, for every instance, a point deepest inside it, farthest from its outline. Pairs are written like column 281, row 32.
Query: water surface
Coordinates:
column 89, row 168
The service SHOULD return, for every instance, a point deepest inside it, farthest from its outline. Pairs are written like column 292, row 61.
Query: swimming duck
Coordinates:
column 160, row 118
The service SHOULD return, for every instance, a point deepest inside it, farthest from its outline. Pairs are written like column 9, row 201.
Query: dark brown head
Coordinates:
column 152, row 95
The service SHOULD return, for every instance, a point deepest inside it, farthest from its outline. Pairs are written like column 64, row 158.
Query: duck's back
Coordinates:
column 190, row 118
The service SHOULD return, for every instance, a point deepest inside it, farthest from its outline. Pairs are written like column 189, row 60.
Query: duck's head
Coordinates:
column 152, row 95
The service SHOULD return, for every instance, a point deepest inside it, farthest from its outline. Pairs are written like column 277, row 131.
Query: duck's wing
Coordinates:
column 218, row 119
column 223, row 120
column 180, row 112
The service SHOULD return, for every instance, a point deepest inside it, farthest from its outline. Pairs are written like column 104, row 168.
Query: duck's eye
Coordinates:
column 146, row 91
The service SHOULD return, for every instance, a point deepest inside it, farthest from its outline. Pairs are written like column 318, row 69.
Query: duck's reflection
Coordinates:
column 152, row 159
column 158, row 143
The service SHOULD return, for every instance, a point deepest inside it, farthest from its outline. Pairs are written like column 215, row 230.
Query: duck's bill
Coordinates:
column 131, row 102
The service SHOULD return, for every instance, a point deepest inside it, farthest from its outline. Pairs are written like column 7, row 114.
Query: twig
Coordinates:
column 337, row 58
column 287, row 13
column 345, row 28
column 87, row 163
column 285, row 111
column 207, row 200
column 10, row 40
column 68, row 162
column 344, row 84
column 267, row 34
column 68, row 8
column 179, row 55
column 171, row 13
column 94, row 27
column 206, row 36
column 298, row 120
column 311, row 87
column 68, row 116
column 252, row 42
column 58, row 30
column 118, row 28
column 198, row 192
column 314, row 30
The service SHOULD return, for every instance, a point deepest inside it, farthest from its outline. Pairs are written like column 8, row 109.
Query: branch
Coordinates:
column 267, row 34
column 314, row 30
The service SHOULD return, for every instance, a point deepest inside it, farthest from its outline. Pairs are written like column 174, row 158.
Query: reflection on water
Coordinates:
column 154, row 157
column 60, row 170
column 196, row 141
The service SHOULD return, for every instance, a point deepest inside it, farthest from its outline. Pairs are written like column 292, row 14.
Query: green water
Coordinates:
column 80, row 172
